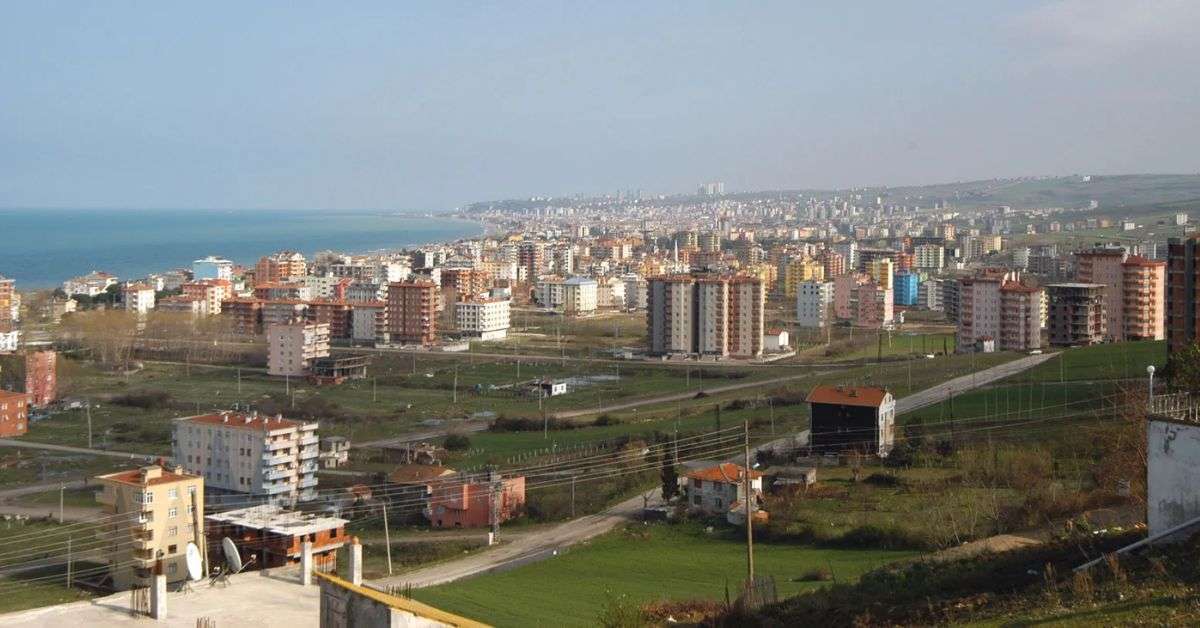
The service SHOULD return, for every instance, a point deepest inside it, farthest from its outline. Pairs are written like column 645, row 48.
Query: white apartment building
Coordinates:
column 635, row 292
column 91, row 284
column 269, row 457
column 814, row 302
column 368, row 323
column 291, row 347
column 138, row 298
column 483, row 318
column 577, row 295
column 930, row 257
column 212, row 267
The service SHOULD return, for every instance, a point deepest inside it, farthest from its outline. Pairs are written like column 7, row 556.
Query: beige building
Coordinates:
column 708, row 315
column 1134, row 291
column 138, row 297
column 996, row 307
column 483, row 318
column 291, row 347
column 270, row 457
column 163, row 512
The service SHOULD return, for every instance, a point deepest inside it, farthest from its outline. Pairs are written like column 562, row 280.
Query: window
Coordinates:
column 173, row 531
column 172, row 513
column 172, row 568
column 696, row 500
column 144, row 497
column 172, row 549
column 173, row 493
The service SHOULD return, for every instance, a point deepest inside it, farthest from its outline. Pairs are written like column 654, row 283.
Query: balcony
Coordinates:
column 275, row 445
column 143, row 557
column 309, row 440
column 309, row 452
column 277, row 459
column 308, row 467
column 143, row 539
column 308, row 482
column 277, row 488
column 278, row 474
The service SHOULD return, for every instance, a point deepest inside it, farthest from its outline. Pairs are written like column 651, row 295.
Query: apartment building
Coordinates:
column 1183, row 293
column 531, row 259
column 280, row 267
column 873, row 309
column 368, row 323
column 834, row 263
column 882, row 271
column 31, row 372
column 845, row 294
column 798, row 270
column 151, row 513
column 930, row 257
column 907, row 285
column 484, row 318
column 138, row 297
column 1075, row 314
column 574, row 296
column 930, row 295
column 710, row 315
column 14, row 413
column 995, row 306
column 814, row 303
column 412, row 312
column 292, row 347
column 271, row 458
column 7, row 294
column 181, row 304
column 212, row 292
column 1134, row 293
column 91, row 284
column 212, row 267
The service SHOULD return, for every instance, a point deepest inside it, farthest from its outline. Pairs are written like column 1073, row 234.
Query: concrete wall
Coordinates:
column 1172, row 473
column 344, row 605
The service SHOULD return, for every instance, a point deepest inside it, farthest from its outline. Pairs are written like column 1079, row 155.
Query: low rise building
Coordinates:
column 14, row 413
column 138, row 298
column 151, row 514
column 720, row 490
column 269, row 536
column 484, row 318
column 852, row 418
column 468, row 503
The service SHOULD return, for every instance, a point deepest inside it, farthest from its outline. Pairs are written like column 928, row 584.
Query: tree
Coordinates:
column 1183, row 369
column 670, row 477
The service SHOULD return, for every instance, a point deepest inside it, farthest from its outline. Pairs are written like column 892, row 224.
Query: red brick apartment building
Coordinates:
column 412, row 312
column 1183, row 292
column 14, row 413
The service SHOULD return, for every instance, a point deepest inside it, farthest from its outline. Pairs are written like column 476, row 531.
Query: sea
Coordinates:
column 41, row 248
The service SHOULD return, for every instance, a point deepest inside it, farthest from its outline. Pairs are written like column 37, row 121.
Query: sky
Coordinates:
column 429, row 106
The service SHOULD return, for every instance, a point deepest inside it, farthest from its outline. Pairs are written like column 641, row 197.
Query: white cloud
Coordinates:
column 1099, row 31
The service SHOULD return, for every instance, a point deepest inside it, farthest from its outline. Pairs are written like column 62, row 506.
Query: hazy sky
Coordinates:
column 428, row 106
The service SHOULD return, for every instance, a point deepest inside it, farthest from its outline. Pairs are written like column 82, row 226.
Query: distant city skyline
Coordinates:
column 428, row 107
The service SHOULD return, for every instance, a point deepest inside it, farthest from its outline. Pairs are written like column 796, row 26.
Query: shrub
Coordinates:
column 457, row 442
column 144, row 399
column 820, row 574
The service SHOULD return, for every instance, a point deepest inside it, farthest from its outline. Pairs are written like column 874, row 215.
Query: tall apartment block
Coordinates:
column 814, row 303
column 151, row 513
column 1076, row 314
column 32, row 372
column 708, row 315
column 292, row 347
column 412, row 312
column 996, row 307
column 280, row 266
column 272, row 458
column 531, row 257
column 1134, row 293
column 7, row 291
column 1183, row 292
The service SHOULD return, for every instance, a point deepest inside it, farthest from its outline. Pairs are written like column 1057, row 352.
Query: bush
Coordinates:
column 457, row 442
column 144, row 399
column 820, row 574
column 883, row 479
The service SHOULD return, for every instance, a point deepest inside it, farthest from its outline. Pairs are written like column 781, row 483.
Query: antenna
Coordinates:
column 232, row 558
column 194, row 565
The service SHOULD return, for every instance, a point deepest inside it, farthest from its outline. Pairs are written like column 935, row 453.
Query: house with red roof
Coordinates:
column 720, row 490
column 852, row 418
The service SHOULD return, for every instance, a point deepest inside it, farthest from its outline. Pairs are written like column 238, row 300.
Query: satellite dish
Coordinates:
column 232, row 557
column 195, row 566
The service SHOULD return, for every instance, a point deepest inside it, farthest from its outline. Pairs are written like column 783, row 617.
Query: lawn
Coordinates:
column 647, row 563
column 1123, row 360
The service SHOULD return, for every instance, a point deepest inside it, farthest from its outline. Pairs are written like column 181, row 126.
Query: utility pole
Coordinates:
column 497, row 487
column 572, row 495
column 239, row 377
column 89, row 422
column 287, row 384
column 387, row 537
column 199, row 537
column 455, row 382
column 69, row 565
column 61, row 489
column 749, row 519
column 374, row 389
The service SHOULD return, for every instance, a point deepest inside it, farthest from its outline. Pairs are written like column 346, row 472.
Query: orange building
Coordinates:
column 1134, row 293
column 468, row 504
column 280, row 266
column 211, row 291
column 6, row 298
column 14, row 413
column 412, row 312
column 269, row 536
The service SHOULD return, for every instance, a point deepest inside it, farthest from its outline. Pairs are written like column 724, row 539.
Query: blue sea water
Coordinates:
column 40, row 248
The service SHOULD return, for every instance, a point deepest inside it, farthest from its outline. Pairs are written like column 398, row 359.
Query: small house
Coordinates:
column 720, row 490
column 776, row 340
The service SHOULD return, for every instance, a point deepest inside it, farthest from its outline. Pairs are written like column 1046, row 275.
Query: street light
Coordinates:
column 1150, row 371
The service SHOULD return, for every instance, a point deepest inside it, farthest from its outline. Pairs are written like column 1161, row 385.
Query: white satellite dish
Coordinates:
column 195, row 566
column 232, row 557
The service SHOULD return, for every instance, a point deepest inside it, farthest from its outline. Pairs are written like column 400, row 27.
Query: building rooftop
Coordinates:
column 723, row 472
column 273, row 518
column 152, row 475
column 848, row 395
column 253, row 421
column 419, row 473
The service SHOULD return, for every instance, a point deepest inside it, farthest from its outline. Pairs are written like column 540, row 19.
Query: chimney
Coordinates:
column 224, row 418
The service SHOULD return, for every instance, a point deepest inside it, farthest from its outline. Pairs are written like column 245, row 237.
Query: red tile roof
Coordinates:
column 848, row 395
column 724, row 472
column 134, row 477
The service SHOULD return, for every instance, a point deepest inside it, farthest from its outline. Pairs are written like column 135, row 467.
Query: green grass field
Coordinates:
column 645, row 563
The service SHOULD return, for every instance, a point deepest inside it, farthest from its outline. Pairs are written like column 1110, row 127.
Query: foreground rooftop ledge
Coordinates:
column 402, row 604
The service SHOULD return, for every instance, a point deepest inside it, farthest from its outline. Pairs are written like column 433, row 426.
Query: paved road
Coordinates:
column 690, row 394
column 940, row 392
column 545, row 545
column 9, row 442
